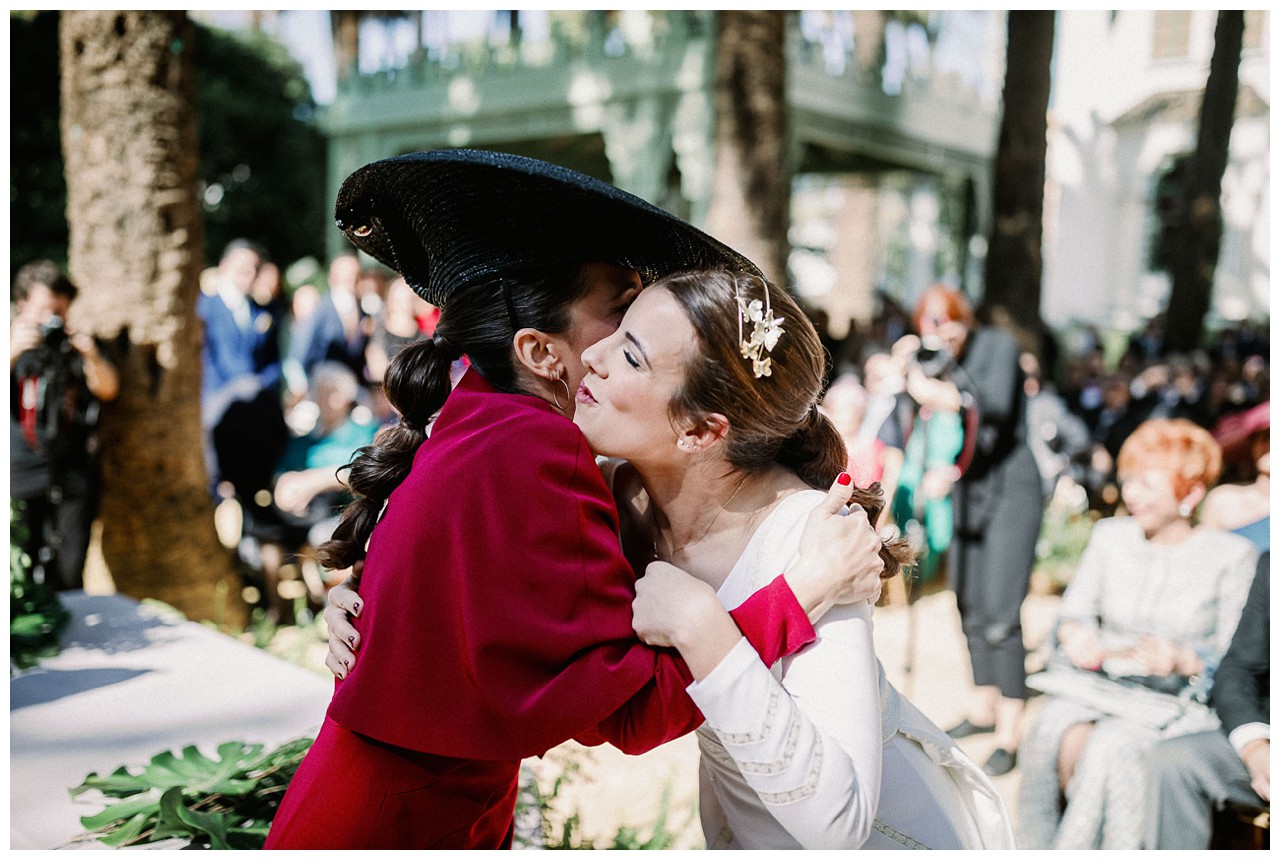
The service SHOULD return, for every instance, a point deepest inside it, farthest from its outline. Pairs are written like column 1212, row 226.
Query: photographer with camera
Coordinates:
column 997, row 500
column 57, row 379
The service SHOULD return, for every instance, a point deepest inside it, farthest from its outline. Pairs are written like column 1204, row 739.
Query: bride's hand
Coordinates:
column 839, row 555
column 675, row 610
column 670, row 605
column 343, row 603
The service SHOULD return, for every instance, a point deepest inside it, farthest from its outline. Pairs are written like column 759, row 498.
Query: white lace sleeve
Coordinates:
column 810, row 746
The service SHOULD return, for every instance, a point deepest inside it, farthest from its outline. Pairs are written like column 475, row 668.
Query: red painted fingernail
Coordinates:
column 845, row 479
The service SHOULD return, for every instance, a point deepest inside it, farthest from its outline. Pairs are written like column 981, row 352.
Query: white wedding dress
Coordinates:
column 820, row 751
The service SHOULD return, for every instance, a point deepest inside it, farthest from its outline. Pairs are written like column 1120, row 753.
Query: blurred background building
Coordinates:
column 1126, row 99
column 893, row 119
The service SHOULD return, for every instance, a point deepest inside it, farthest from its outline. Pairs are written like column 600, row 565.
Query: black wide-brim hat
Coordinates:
column 450, row 218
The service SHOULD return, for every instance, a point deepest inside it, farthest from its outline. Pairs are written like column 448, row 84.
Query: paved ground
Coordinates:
column 132, row 681
column 924, row 655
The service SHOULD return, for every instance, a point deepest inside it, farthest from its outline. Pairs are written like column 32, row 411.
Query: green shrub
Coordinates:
column 220, row 803
column 36, row 615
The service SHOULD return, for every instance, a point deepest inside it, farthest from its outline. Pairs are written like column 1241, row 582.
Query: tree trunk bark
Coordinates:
column 1013, row 266
column 751, row 198
column 346, row 42
column 1197, row 232
column 129, row 143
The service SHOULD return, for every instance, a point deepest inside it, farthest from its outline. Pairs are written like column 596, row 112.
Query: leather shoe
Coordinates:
column 1001, row 762
column 966, row 728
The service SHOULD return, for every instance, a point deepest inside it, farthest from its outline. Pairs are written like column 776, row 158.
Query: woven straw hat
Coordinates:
column 449, row 218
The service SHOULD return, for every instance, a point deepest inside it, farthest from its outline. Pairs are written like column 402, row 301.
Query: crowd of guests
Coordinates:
column 291, row 390
column 1156, row 698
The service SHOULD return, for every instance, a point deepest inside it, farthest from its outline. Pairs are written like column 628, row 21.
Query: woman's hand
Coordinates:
column 1081, row 645
column 937, row 394
column 343, row 603
column 1256, row 756
column 839, row 555
column 1166, row 657
column 675, row 610
column 670, row 605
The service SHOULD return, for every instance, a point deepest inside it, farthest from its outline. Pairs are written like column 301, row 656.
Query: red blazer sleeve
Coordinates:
column 772, row 621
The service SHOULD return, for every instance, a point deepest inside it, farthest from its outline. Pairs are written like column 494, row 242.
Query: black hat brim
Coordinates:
column 450, row 218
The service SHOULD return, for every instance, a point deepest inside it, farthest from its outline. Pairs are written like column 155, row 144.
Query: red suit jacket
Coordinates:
column 497, row 621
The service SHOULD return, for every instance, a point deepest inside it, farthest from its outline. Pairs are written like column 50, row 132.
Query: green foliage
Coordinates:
column 568, row 836
column 262, row 158
column 221, row 803
column 36, row 615
column 1064, row 532
column 37, row 189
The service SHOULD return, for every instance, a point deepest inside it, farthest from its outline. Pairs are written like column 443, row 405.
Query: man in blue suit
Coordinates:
column 337, row 330
column 240, row 404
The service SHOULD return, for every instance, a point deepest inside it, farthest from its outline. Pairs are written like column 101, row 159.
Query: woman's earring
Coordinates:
column 555, row 377
column 1184, row 509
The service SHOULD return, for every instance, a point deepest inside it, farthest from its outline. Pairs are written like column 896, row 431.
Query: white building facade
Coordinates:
column 1125, row 104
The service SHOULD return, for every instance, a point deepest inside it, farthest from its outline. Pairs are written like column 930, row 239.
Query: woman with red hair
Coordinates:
column 1151, row 610
column 998, row 503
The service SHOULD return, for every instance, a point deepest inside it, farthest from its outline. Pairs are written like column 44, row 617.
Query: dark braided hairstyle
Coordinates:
column 478, row 321
column 774, row 418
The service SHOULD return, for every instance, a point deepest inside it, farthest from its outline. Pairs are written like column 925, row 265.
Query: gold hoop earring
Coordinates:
column 555, row 377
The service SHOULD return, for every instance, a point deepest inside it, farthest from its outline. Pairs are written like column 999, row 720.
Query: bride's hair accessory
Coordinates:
column 765, row 329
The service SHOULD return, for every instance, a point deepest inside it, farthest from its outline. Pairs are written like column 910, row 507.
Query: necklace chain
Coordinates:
column 710, row 523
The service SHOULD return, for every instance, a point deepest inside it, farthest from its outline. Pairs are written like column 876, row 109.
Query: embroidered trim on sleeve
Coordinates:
column 807, row 788
column 771, row 711
column 898, row 836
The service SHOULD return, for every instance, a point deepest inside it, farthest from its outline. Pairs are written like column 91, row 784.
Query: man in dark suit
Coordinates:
column 240, row 388
column 1193, row 775
column 337, row 331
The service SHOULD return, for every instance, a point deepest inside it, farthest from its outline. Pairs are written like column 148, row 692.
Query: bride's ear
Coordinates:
column 536, row 351
column 697, row 438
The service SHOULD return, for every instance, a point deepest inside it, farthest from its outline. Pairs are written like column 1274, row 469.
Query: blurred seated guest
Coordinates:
column 1147, row 345
column 934, row 441
column 889, row 410
column 1114, row 402
column 401, row 323
column 240, row 408
column 268, row 289
column 1192, row 775
column 57, row 380
column 371, row 293
column 338, row 328
column 1058, row 438
column 1245, row 508
column 308, row 496
column 871, row 459
column 1150, row 612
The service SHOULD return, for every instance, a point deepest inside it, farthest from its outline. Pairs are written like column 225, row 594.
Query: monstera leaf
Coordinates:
column 222, row 802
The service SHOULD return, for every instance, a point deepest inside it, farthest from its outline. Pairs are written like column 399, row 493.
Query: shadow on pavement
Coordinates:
column 48, row 685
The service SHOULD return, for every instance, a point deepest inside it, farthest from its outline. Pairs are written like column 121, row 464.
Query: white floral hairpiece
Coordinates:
column 765, row 331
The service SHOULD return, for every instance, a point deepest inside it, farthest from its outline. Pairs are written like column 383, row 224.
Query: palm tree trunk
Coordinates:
column 1197, row 232
column 751, row 198
column 1014, row 260
column 129, row 143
